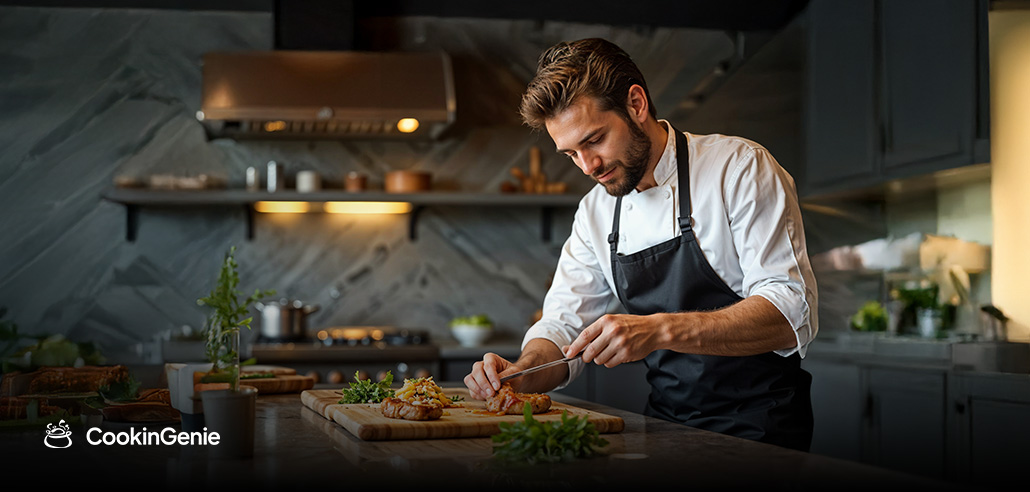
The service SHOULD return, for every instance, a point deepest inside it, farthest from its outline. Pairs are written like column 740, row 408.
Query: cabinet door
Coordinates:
column 837, row 405
column 842, row 147
column 905, row 425
column 991, row 423
column 929, row 80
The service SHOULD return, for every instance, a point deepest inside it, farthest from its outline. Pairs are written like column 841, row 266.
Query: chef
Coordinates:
column 699, row 237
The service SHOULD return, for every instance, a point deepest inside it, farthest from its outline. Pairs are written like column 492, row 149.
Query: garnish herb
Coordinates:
column 367, row 391
column 534, row 441
column 127, row 390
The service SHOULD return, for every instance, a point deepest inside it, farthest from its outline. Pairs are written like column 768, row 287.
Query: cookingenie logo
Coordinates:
column 58, row 436
column 165, row 437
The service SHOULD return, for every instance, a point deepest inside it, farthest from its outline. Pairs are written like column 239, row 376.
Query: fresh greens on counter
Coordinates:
column 872, row 316
column 53, row 350
column 257, row 375
column 533, row 441
column 367, row 391
column 127, row 390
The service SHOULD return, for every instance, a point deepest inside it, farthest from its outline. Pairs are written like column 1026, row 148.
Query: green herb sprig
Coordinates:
column 367, row 391
column 228, row 316
column 535, row 441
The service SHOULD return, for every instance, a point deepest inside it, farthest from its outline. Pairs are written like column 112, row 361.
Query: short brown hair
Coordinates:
column 591, row 67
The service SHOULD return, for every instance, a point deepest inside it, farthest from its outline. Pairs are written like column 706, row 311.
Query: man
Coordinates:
column 698, row 236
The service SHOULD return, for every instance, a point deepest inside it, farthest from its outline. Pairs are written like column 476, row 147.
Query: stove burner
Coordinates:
column 369, row 335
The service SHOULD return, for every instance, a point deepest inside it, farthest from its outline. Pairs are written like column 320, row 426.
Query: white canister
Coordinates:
column 308, row 181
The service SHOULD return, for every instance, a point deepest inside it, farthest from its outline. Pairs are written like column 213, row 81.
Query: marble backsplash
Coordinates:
column 90, row 94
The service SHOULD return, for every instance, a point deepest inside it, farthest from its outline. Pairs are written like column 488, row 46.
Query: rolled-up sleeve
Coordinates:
column 765, row 221
column 579, row 294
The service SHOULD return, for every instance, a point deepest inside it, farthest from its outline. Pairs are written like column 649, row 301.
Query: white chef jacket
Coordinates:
column 746, row 218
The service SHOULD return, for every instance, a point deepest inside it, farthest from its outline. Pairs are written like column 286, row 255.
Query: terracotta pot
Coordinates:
column 407, row 181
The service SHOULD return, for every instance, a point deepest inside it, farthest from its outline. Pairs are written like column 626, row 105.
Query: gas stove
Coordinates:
column 335, row 354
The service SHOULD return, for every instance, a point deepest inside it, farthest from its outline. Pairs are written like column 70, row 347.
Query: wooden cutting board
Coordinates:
column 286, row 380
column 289, row 383
column 366, row 421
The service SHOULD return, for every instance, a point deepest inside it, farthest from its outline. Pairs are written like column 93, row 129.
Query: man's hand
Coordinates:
column 484, row 380
column 616, row 339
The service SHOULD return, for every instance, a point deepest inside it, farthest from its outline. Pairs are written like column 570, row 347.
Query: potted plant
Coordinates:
column 230, row 411
column 222, row 328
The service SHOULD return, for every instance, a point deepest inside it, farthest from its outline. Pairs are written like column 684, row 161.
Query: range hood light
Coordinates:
column 275, row 126
column 407, row 125
column 367, row 207
column 282, row 207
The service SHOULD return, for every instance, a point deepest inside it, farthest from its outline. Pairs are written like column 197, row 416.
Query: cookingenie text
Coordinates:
column 167, row 436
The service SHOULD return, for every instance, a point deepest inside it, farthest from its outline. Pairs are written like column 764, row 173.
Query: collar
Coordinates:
column 667, row 164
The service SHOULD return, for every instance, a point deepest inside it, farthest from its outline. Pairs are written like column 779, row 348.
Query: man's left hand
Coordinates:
column 616, row 339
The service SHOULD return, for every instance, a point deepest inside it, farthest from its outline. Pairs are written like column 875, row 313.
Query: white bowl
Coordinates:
column 471, row 335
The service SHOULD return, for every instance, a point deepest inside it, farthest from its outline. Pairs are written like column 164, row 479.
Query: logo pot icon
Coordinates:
column 58, row 436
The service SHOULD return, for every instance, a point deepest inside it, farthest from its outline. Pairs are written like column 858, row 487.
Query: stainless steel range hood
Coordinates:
column 327, row 94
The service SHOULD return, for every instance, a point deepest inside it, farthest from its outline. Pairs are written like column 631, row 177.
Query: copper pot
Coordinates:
column 407, row 181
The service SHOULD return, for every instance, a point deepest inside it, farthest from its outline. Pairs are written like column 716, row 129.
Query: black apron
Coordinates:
column 762, row 397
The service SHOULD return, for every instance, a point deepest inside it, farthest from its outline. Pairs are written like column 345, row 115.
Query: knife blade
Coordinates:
column 541, row 367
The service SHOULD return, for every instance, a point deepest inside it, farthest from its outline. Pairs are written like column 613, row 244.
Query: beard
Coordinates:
column 634, row 165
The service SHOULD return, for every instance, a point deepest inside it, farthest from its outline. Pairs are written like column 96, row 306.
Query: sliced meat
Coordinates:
column 509, row 402
column 395, row 408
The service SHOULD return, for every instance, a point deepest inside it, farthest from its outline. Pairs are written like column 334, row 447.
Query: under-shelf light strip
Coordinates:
column 285, row 207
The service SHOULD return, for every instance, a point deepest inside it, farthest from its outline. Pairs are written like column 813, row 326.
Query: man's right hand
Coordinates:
column 485, row 378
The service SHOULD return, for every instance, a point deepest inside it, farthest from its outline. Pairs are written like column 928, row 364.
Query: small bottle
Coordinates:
column 276, row 180
column 253, row 179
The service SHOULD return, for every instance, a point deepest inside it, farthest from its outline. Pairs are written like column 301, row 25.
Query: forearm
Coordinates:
column 749, row 327
column 540, row 351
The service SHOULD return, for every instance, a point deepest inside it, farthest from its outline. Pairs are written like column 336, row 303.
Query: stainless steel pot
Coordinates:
column 285, row 320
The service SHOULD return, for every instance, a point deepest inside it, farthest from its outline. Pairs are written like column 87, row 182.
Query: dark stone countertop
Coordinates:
column 296, row 446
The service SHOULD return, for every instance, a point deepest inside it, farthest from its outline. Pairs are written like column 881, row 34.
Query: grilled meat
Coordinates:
column 509, row 402
column 395, row 408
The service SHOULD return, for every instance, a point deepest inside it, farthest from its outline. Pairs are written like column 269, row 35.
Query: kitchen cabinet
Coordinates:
column 988, row 427
column 134, row 199
column 889, row 416
column 918, row 410
column 905, row 420
column 895, row 89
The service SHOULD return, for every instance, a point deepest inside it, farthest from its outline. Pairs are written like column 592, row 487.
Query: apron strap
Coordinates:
column 684, row 180
column 613, row 237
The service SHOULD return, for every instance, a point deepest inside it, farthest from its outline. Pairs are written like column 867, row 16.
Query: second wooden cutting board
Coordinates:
column 367, row 422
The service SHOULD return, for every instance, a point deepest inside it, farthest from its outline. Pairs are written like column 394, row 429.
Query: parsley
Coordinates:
column 534, row 441
column 456, row 398
column 127, row 390
column 366, row 391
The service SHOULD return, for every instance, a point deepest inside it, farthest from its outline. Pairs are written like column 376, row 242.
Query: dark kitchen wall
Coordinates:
column 91, row 94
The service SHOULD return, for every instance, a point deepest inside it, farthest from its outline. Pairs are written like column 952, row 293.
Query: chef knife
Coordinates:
column 540, row 367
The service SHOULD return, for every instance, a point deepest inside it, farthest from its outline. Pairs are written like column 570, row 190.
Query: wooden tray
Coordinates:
column 366, row 422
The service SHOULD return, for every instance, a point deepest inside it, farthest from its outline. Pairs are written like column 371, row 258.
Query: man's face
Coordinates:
column 606, row 147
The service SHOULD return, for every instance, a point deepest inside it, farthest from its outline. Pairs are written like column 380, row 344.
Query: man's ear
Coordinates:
column 636, row 104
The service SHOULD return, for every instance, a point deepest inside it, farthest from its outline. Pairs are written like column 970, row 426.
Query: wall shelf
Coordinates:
column 133, row 199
